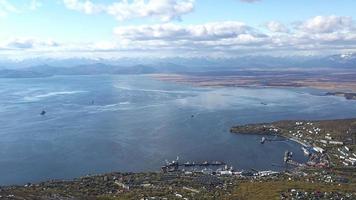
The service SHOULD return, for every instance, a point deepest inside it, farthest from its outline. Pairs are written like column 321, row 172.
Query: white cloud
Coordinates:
column 215, row 38
column 164, row 10
column 85, row 6
column 231, row 36
column 27, row 43
column 35, row 4
column 277, row 27
column 6, row 7
column 326, row 24
column 173, row 32
column 195, row 38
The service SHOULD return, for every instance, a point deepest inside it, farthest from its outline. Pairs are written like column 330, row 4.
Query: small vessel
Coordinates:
column 263, row 140
column 43, row 112
column 171, row 166
column 306, row 151
column 287, row 156
column 217, row 163
column 205, row 163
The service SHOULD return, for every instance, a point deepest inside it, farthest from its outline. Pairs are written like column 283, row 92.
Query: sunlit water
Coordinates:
column 97, row 124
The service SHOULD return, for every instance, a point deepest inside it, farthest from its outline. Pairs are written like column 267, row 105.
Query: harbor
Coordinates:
column 325, row 143
column 321, row 176
column 212, row 168
column 175, row 165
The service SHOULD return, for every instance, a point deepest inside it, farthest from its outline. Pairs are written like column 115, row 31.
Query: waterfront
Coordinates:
column 97, row 124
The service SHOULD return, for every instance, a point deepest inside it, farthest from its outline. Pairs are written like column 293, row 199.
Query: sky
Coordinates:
column 170, row 28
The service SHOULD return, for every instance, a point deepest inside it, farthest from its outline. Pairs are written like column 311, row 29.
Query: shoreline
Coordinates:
column 299, row 142
column 336, row 179
column 332, row 87
column 335, row 138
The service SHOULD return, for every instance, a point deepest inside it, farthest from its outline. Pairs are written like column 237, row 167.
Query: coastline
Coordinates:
column 330, row 87
column 335, row 180
column 298, row 141
column 334, row 138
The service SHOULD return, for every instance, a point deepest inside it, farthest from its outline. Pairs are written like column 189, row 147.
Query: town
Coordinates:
column 327, row 143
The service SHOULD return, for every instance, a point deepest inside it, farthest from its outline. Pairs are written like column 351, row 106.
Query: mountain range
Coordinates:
column 43, row 67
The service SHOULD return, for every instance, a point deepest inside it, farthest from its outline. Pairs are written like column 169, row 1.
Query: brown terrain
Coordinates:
column 343, row 83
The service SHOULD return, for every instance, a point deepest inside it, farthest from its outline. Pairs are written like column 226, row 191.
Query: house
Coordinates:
column 336, row 142
column 318, row 149
column 324, row 141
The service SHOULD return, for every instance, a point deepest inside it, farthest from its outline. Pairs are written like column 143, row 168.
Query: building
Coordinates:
column 318, row 149
column 336, row 142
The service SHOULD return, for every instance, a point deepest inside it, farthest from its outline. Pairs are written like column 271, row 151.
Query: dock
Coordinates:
column 264, row 139
column 175, row 165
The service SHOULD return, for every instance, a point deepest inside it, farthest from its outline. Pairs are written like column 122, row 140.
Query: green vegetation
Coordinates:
column 273, row 189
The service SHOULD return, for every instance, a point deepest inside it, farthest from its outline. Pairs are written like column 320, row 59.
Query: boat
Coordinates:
column 306, row 151
column 170, row 167
column 188, row 164
column 43, row 112
column 172, row 164
column 263, row 140
column 217, row 163
column 205, row 163
column 287, row 156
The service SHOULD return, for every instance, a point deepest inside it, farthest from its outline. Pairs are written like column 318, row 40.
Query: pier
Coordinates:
column 264, row 139
column 175, row 165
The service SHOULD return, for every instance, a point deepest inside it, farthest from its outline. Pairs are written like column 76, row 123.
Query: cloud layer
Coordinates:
column 165, row 10
column 275, row 26
column 27, row 43
column 320, row 33
column 6, row 7
column 173, row 32
column 327, row 24
column 317, row 34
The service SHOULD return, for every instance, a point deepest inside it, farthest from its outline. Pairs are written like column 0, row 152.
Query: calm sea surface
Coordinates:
column 97, row 124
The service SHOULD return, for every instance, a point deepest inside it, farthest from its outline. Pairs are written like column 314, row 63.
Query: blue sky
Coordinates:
column 117, row 28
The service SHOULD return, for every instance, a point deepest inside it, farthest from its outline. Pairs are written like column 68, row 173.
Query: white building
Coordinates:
column 336, row 142
column 318, row 149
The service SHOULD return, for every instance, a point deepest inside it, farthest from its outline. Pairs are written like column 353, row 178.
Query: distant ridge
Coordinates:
column 49, row 67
